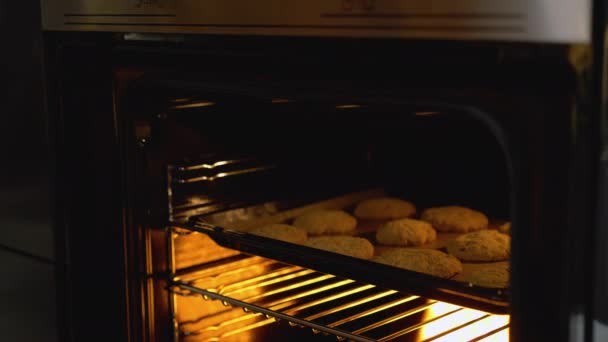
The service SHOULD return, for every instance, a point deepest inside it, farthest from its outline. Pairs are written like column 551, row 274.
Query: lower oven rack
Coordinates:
column 464, row 294
column 332, row 305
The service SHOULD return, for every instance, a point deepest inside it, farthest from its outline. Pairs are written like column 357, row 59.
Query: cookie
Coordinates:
column 427, row 261
column 484, row 245
column 497, row 277
column 455, row 219
column 283, row 232
column 505, row 228
column 326, row 222
column 384, row 208
column 348, row 245
column 406, row 232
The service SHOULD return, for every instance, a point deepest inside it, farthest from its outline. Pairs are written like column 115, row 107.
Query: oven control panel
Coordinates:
column 567, row 21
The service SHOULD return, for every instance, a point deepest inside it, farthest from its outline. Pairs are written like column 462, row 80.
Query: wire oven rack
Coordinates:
column 269, row 291
column 284, row 283
column 481, row 298
column 460, row 293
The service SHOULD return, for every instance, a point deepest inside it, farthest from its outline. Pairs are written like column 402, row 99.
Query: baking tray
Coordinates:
column 232, row 233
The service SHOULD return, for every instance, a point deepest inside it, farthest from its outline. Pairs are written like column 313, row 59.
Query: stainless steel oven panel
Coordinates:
column 567, row 21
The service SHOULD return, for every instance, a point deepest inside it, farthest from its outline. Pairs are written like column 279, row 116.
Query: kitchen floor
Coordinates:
column 27, row 266
column 27, row 294
column 28, row 308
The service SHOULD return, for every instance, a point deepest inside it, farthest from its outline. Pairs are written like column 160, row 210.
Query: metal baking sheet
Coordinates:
column 233, row 233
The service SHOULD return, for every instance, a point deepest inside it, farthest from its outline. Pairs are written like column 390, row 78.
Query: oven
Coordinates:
column 182, row 127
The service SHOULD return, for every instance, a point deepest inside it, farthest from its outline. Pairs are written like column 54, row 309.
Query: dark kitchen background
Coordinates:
column 27, row 262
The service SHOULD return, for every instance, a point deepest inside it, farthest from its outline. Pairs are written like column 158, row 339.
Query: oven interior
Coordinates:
column 227, row 130
column 229, row 153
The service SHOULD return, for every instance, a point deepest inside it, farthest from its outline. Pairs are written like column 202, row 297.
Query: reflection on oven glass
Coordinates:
column 181, row 100
column 280, row 101
column 348, row 106
column 198, row 104
column 426, row 113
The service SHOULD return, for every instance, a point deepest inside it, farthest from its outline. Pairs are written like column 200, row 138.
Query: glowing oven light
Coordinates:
column 462, row 325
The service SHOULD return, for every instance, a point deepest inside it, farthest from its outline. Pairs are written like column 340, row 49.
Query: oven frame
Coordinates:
column 117, row 269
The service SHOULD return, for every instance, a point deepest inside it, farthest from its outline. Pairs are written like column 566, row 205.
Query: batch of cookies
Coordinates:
column 401, row 240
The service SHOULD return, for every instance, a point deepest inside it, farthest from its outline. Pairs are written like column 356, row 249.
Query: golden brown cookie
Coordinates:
column 505, row 228
column 406, row 232
column 348, row 245
column 283, row 232
column 326, row 222
column 384, row 208
column 484, row 245
column 427, row 261
column 497, row 277
column 455, row 219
